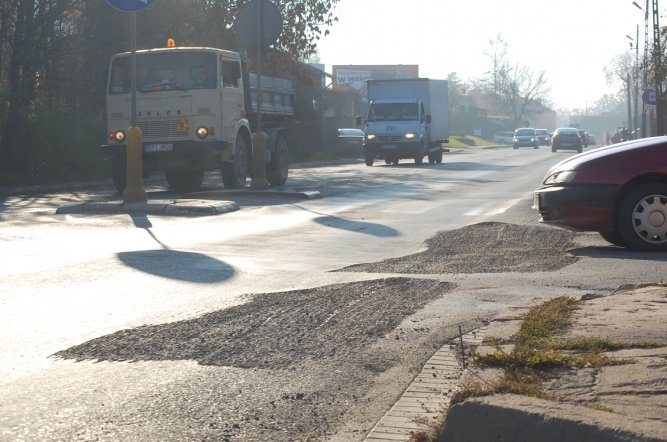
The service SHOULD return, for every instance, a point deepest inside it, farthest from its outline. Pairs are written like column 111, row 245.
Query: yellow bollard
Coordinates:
column 134, row 186
column 258, row 162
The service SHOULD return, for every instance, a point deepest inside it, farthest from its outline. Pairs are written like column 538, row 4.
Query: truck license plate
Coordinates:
column 389, row 146
column 163, row 147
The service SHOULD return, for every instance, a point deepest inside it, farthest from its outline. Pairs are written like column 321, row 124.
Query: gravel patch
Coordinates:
column 489, row 247
column 336, row 322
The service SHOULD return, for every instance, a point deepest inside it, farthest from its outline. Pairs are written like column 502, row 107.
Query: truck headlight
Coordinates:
column 202, row 132
column 117, row 136
column 370, row 137
column 409, row 136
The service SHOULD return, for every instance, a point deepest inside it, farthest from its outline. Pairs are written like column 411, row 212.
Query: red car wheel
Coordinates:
column 642, row 218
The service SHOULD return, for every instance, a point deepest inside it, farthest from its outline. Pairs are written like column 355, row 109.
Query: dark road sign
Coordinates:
column 247, row 23
column 130, row 5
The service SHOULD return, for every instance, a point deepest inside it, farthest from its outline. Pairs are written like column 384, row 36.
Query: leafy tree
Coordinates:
column 54, row 57
column 516, row 86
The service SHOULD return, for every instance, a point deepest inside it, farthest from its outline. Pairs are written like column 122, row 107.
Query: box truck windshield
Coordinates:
column 393, row 112
column 167, row 71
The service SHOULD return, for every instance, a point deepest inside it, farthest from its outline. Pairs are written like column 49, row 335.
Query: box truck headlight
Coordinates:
column 370, row 137
column 117, row 136
column 410, row 136
column 202, row 132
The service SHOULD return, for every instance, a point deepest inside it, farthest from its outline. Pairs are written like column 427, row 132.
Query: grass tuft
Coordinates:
column 600, row 407
column 536, row 349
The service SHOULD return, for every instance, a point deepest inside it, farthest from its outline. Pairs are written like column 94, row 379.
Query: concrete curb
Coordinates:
column 508, row 417
column 180, row 207
column 424, row 403
column 302, row 194
column 168, row 208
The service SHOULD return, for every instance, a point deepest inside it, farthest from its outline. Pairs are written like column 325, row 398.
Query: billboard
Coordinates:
column 355, row 76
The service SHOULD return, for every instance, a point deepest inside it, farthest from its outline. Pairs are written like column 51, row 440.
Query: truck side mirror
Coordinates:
column 357, row 120
column 428, row 119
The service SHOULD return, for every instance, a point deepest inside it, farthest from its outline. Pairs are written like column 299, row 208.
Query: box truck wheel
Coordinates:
column 369, row 158
column 118, row 173
column 419, row 159
column 435, row 157
column 184, row 179
column 278, row 168
column 235, row 172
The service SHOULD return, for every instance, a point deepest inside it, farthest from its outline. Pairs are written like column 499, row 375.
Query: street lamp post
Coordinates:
column 635, row 94
column 644, row 132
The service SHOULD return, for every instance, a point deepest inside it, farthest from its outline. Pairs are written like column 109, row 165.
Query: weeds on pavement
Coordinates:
column 536, row 348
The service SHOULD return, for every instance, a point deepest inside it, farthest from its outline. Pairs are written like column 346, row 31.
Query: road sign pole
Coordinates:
column 259, row 141
column 134, row 187
column 134, row 191
column 133, row 68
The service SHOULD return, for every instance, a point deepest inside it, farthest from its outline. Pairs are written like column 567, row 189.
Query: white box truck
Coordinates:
column 407, row 118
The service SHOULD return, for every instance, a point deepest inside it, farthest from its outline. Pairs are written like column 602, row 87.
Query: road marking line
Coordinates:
column 494, row 211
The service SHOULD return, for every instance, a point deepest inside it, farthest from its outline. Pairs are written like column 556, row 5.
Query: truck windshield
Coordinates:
column 167, row 71
column 393, row 112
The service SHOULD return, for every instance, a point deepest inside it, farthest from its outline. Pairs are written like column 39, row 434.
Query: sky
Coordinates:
column 570, row 40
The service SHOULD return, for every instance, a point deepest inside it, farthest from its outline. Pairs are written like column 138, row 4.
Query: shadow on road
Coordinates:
column 357, row 226
column 614, row 252
column 174, row 264
column 183, row 266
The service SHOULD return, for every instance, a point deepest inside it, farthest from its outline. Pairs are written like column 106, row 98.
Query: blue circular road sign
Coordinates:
column 130, row 5
column 649, row 97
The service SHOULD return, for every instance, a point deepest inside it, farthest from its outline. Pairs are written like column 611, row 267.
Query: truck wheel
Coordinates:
column 119, row 173
column 438, row 156
column 369, row 159
column 180, row 180
column 435, row 157
column 235, row 172
column 642, row 218
column 278, row 169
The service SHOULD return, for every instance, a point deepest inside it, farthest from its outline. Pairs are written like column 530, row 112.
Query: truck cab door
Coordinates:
column 232, row 96
column 425, row 123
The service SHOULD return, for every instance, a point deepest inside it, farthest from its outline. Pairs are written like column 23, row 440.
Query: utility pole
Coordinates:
column 636, row 69
column 628, row 86
column 645, row 72
column 644, row 66
column 658, row 70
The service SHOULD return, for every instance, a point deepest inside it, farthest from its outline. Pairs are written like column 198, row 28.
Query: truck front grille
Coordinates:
column 390, row 138
column 163, row 128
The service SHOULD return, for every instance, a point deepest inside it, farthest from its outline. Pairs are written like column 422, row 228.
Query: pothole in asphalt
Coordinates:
column 489, row 247
column 337, row 323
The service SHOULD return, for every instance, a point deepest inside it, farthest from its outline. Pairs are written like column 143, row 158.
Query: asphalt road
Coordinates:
column 288, row 319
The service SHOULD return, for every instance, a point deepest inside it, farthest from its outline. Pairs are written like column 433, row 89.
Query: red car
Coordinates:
column 619, row 191
column 566, row 138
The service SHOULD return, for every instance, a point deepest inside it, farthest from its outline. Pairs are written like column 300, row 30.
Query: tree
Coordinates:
column 513, row 87
column 54, row 57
